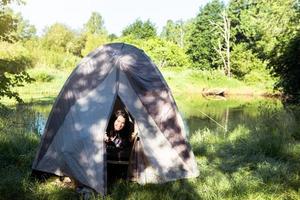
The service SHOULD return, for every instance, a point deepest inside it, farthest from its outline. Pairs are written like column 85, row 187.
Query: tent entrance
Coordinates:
column 118, row 158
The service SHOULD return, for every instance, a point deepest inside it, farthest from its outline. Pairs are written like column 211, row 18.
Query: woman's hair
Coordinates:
column 125, row 130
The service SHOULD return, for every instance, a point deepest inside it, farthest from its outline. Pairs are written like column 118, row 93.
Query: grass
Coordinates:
column 249, row 161
column 184, row 81
column 49, row 82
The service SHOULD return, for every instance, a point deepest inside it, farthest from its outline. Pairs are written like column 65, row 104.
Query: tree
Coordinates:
column 140, row 30
column 258, row 29
column 263, row 24
column 24, row 30
column 13, row 57
column 12, row 64
column 177, row 32
column 165, row 54
column 8, row 24
column 77, row 44
column 57, row 37
column 174, row 32
column 204, row 38
column 95, row 24
column 13, row 27
column 223, row 48
column 285, row 65
column 245, row 63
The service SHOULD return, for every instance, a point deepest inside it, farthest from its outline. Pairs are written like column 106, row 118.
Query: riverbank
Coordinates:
column 183, row 82
column 191, row 81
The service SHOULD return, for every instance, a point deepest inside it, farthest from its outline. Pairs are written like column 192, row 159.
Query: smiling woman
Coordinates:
column 117, row 134
column 118, row 146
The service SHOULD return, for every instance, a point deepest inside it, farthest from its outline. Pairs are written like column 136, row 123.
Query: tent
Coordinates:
column 114, row 75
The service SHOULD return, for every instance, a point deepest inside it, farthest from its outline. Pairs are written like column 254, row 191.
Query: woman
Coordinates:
column 117, row 146
column 117, row 136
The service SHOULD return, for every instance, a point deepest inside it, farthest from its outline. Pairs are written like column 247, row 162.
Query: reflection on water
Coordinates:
column 224, row 115
column 25, row 118
column 39, row 123
column 199, row 114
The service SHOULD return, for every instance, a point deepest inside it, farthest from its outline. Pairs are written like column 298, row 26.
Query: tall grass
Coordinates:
column 259, row 161
column 18, row 144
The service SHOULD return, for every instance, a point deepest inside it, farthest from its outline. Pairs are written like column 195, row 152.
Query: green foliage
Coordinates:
column 203, row 38
column 57, row 37
column 13, row 27
column 14, row 59
column 7, row 24
column 24, row 30
column 177, row 32
column 263, row 24
column 112, row 37
column 162, row 53
column 58, row 60
column 244, row 61
column 76, row 45
column 53, row 59
column 170, row 31
column 92, row 42
column 140, row 29
column 165, row 53
column 285, row 65
column 43, row 77
column 258, row 28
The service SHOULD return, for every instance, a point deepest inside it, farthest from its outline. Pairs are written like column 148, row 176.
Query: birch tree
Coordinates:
column 223, row 48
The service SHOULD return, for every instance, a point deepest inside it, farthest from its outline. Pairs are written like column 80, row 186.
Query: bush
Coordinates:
column 54, row 59
column 243, row 61
column 43, row 77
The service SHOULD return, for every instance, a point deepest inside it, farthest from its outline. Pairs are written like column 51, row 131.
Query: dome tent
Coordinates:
column 73, row 140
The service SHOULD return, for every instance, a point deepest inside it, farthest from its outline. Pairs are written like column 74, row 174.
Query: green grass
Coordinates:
column 49, row 82
column 185, row 81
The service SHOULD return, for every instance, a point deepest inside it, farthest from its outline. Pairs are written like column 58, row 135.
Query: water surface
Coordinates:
column 214, row 114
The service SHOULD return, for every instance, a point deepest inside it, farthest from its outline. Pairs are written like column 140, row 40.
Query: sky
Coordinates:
column 117, row 14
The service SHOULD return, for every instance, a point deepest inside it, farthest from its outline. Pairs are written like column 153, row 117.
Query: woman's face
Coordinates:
column 119, row 123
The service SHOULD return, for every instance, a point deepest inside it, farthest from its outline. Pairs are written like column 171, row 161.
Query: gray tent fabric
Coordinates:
column 73, row 140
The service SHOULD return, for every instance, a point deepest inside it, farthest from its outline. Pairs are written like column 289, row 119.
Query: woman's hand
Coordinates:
column 106, row 138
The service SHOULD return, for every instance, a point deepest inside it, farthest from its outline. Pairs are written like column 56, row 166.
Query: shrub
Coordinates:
column 43, row 77
column 243, row 61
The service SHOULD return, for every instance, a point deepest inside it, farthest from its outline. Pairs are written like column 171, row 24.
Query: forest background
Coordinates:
column 256, row 43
